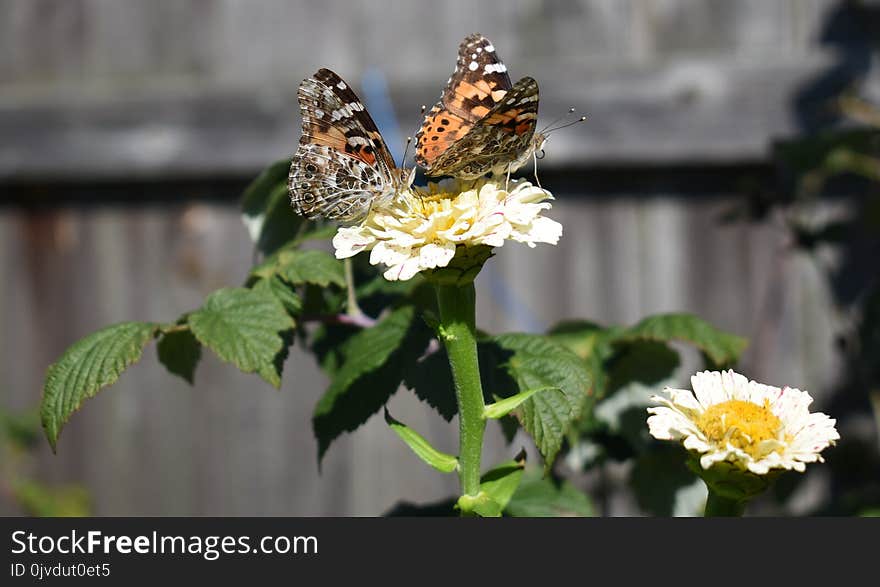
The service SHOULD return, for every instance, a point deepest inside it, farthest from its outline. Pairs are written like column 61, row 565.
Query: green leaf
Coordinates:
column 431, row 380
column 267, row 213
column 242, row 326
column 21, row 430
column 372, row 365
column 539, row 497
column 819, row 152
column 644, row 361
column 255, row 199
column 502, row 407
column 501, row 482
column 660, row 480
column 311, row 266
column 322, row 301
column 536, row 362
column 316, row 230
column 582, row 337
column 445, row 463
column 592, row 343
column 327, row 342
column 283, row 292
column 722, row 348
column 180, row 352
column 481, row 504
column 88, row 366
column 298, row 267
column 62, row 501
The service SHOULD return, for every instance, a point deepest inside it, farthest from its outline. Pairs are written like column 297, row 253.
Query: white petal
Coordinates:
column 436, row 255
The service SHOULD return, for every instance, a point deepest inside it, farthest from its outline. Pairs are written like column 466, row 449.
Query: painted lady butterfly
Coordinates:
column 342, row 166
column 482, row 122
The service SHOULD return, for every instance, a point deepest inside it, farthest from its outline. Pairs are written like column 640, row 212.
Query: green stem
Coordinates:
column 718, row 506
column 457, row 331
column 351, row 308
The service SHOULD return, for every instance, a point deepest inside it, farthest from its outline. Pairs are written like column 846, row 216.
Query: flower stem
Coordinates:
column 719, row 506
column 457, row 331
column 351, row 308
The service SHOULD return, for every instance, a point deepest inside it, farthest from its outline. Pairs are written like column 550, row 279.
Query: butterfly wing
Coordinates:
column 500, row 140
column 342, row 164
column 325, row 183
column 479, row 81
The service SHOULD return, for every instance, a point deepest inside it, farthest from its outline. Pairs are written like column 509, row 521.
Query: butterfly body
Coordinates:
column 483, row 123
column 342, row 167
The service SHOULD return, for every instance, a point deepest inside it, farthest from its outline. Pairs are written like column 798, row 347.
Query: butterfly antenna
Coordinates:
column 566, row 125
column 563, row 117
column 410, row 139
column 405, row 150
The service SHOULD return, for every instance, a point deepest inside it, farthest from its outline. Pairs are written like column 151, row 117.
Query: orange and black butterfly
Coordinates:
column 483, row 123
column 342, row 167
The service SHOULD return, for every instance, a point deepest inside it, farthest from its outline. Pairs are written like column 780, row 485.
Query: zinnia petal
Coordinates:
column 757, row 427
column 422, row 227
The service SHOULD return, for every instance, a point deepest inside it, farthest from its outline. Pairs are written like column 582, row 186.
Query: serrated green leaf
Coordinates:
column 298, row 267
column 537, row 361
column 371, row 368
column 283, row 292
column 87, row 367
column 722, row 348
column 327, row 343
column 431, row 380
column 323, row 301
column 316, row 267
column 243, row 327
column 502, row 407
column 445, row 463
column 539, row 497
column 592, row 343
column 180, row 352
column 501, row 482
column 582, row 337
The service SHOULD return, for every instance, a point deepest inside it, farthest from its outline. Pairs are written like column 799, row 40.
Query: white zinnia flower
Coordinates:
column 421, row 229
column 753, row 426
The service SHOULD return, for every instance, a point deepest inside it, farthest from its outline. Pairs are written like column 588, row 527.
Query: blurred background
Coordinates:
column 728, row 168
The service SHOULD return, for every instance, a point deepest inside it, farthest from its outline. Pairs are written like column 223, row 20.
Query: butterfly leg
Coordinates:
column 507, row 181
column 535, row 158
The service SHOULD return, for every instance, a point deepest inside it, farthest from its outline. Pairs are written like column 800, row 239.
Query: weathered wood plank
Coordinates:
column 687, row 112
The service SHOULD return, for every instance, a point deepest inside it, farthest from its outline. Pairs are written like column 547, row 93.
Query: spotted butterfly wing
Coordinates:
column 342, row 166
column 482, row 122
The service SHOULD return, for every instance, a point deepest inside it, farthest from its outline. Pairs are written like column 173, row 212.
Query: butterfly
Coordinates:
column 483, row 123
column 342, row 167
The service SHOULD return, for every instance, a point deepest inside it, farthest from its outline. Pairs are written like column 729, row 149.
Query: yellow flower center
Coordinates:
column 742, row 424
column 426, row 204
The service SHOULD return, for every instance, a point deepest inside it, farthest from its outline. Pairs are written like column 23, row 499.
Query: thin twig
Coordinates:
column 361, row 320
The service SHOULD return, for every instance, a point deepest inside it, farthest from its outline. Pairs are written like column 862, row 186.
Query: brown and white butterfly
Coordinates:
column 483, row 123
column 342, row 167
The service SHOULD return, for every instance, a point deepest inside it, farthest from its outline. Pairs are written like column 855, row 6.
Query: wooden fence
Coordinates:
column 125, row 126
